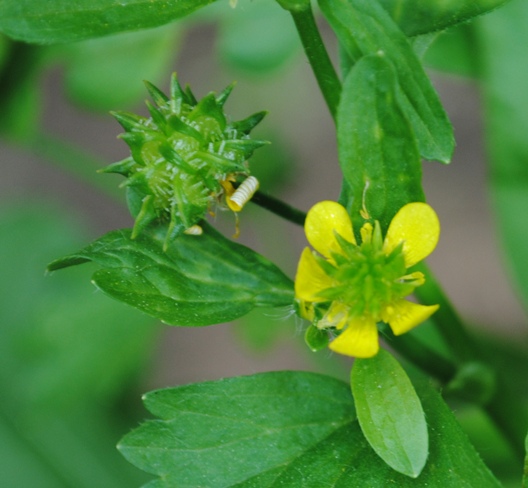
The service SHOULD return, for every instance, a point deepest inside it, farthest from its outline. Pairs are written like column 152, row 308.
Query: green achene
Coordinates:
column 184, row 158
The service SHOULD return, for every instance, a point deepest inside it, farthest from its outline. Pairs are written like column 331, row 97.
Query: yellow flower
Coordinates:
column 350, row 287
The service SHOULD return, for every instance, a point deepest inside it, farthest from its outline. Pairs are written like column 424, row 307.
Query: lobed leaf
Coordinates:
column 59, row 21
column 416, row 17
column 198, row 280
column 376, row 144
column 285, row 429
column 363, row 27
column 390, row 413
column 233, row 429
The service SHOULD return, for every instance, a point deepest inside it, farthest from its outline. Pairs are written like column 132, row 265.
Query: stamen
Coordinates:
column 366, row 232
column 416, row 279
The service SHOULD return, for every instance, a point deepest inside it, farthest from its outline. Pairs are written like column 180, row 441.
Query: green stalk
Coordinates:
column 446, row 319
column 84, row 166
column 315, row 50
column 508, row 412
column 421, row 356
column 504, row 407
column 278, row 207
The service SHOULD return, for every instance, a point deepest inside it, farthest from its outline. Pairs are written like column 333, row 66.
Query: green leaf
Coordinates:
column 454, row 52
column 58, row 21
column 390, row 413
column 498, row 454
column 376, row 145
column 285, row 429
column 416, row 17
column 106, row 74
column 258, row 38
column 363, row 27
column 232, row 430
column 502, row 39
column 199, row 280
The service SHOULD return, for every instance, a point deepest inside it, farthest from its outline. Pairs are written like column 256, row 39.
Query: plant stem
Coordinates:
column 509, row 413
column 315, row 50
column 83, row 165
column 421, row 356
column 504, row 407
column 280, row 208
column 446, row 319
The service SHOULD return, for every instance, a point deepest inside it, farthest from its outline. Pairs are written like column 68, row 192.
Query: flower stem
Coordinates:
column 421, row 356
column 509, row 414
column 315, row 50
column 446, row 319
column 83, row 165
column 504, row 407
column 279, row 207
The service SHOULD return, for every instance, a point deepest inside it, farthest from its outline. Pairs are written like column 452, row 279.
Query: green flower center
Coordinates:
column 366, row 279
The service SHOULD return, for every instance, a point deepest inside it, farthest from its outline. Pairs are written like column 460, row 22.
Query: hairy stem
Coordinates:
column 315, row 50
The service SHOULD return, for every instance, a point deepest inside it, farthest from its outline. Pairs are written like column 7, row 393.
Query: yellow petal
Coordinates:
column 403, row 315
column 359, row 339
column 310, row 278
column 322, row 220
column 417, row 226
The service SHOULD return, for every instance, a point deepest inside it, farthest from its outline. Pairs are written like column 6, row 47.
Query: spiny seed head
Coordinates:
column 180, row 155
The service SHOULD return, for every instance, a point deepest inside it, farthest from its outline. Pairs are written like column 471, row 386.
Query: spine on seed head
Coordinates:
column 184, row 159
